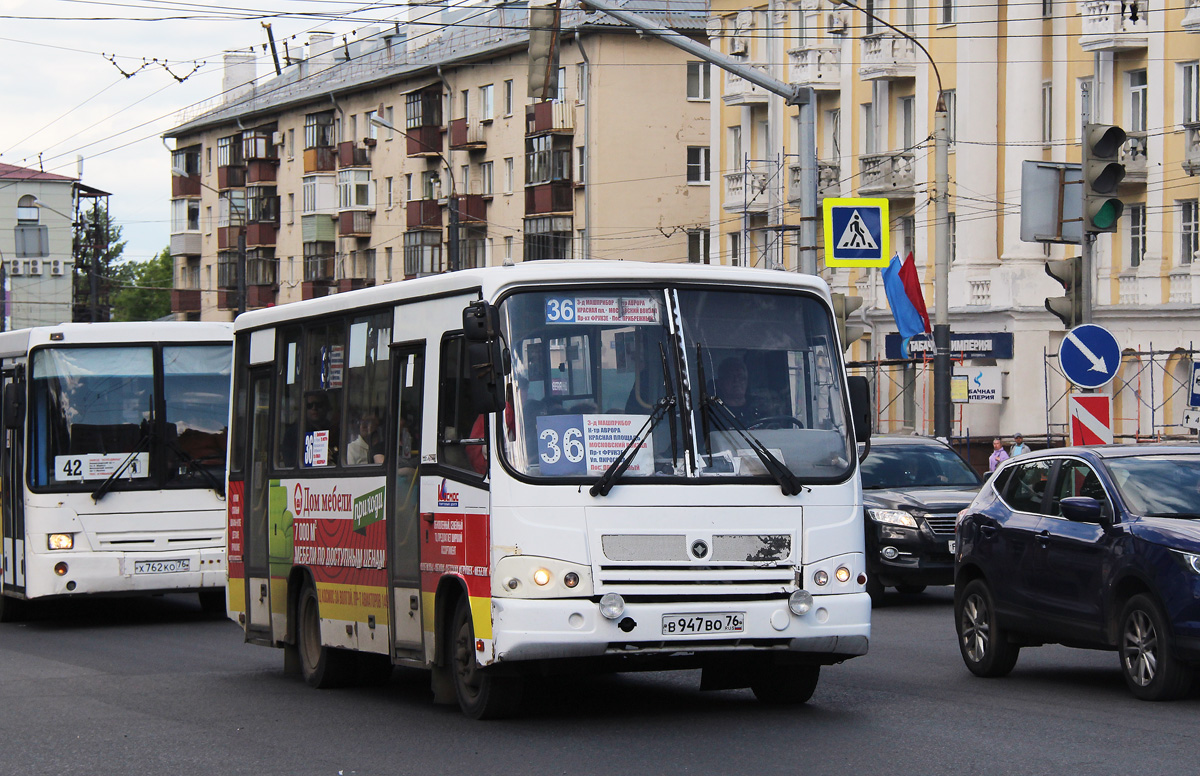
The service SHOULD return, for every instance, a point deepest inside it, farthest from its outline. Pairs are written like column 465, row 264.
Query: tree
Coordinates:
column 142, row 289
column 98, row 244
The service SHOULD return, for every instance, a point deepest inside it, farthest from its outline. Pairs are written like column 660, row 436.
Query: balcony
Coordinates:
column 549, row 116
column 1191, row 149
column 555, row 197
column 322, row 159
column 817, row 67
column 354, row 223
column 424, row 141
column 1191, row 17
column 262, row 295
column 1133, row 156
column 185, row 244
column 185, row 186
column 353, row 284
column 423, row 213
column 315, row 289
column 231, row 177
column 887, row 56
column 227, row 237
column 467, row 135
column 888, row 175
column 260, row 234
column 742, row 189
column 185, row 300
column 1114, row 25
column 351, row 154
column 262, row 170
column 739, row 91
column 471, row 208
column 829, row 182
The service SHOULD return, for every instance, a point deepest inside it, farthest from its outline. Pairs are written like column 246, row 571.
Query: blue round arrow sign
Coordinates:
column 1089, row 356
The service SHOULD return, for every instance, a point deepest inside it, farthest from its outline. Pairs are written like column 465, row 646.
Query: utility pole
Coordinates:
column 942, row 408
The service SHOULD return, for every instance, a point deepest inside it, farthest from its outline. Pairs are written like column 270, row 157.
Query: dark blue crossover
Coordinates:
column 1096, row 548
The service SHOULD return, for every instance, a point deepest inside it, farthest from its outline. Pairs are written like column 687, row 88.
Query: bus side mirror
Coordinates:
column 860, row 407
column 485, row 355
column 14, row 405
column 481, row 322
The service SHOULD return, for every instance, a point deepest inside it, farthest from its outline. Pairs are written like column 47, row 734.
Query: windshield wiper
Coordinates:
column 142, row 445
column 619, row 464
column 194, row 465
column 724, row 417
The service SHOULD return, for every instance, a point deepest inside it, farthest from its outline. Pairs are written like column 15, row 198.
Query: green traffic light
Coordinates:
column 1107, row 214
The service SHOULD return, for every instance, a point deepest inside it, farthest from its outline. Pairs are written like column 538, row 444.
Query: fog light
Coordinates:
column 842, row 574
column 612, row 605
column 891, row 553
column 60, row 541
column 541, row 577
column 821, row 578
column 800, row 602
column 512, row 583
column 60, row 568
column 570, row 579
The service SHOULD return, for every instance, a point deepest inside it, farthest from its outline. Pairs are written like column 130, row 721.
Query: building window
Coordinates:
column 185, row 215
column 486, row 178
column 833, row 129
column 698, row 85
column 291, row 143
column 487, row 105
column 422, row 252
column 1047, row 113
column 262, row 268
column 262, row 204
column 466, row 105
column 581, row 163
column 735, row 148
column 466, row 179
column 508, row 249
column 318, row 261
column 318, row 130
column 910, row 16
column 472, row 247
column 698, row 246
column 697, row 164
column 291, row 208
column 32, row 238
column 561, row 94
column 355, row 189
column 1047, row 8
column 1138, row 108
column 229, row 151
column 186, row 161
column 431, row 184
column 949, row 12
column 868, row 128
column 951, row 116
column 547, row 237
column 1137, row 235
column 735, row 249
column 408, row 189
column 508, row 97
column 509, row 173
column 547, row 158
column 423, row 109
column 908, row 235
column 908, row 122
column 1189, row 230
column 387, row 258
column 1190, row 79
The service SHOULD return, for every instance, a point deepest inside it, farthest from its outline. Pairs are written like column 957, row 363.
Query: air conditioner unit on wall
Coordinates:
column 277, row 138
column 56, row 266
column 35, row 266
column 14, row 267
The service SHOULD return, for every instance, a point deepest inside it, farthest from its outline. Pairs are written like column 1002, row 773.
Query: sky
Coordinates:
column 103, row 79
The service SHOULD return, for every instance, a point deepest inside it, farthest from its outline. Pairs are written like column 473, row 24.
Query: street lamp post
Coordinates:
column 241, row 240
column 452, row 262
column 942, row 407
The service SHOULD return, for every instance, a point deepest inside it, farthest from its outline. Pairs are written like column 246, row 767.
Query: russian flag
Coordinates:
column 903, row 289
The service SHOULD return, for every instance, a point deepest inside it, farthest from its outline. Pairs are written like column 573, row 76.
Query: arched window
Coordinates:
column 27, row 210
column 32, row 239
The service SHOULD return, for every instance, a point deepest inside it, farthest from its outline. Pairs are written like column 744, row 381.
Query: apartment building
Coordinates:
column 1018, row 80
column 293, row 175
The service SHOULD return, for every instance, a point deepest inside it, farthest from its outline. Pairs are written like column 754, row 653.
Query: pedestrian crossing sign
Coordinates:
column 856, row 232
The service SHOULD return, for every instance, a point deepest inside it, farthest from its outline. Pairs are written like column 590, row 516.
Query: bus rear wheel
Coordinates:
column 481, row 693
column 786, row 685
column 322, row 667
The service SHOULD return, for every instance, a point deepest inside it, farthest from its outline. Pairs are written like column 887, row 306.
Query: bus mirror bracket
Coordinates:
column 14, row 404
column 860, row 407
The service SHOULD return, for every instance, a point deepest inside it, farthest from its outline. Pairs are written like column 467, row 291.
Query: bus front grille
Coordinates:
column 694, row 581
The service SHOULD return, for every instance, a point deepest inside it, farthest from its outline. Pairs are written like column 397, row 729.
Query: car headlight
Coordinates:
column 893, row 517
column 1189, row 560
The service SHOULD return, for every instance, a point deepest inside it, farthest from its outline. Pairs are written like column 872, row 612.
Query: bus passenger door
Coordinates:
column 12, row 485
column 256, row 510
column 404, row 527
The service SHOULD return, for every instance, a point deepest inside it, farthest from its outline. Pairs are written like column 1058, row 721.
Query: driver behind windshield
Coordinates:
column 733, row 383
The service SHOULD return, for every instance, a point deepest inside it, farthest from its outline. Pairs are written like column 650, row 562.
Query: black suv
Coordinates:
column 1089, row 547
column 913, row 489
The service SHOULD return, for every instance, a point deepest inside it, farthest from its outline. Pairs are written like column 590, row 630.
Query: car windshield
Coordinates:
column 1158, row 485
column 591, row 368
column 916, row 466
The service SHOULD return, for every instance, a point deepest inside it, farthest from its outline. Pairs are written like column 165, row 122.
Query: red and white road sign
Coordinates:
column 1091, row 420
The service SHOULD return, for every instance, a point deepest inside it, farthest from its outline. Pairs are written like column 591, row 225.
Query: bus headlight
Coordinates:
column 60, row 541
column 800, row 602
column 528, row 576
column 612, row 605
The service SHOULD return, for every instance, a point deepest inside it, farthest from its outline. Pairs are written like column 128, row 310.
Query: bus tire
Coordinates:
column 322, row 667
column 481, row 693
column 212, row 601
column 787, row 685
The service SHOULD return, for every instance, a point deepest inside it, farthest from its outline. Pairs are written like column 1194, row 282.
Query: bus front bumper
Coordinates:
column 117, row 573
column 837, row 627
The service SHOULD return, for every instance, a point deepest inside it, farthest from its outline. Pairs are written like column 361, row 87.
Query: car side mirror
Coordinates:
column 860, row 407
column 1082, row 509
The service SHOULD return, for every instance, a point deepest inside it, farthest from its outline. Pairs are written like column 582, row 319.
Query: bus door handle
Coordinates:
column 427, row 517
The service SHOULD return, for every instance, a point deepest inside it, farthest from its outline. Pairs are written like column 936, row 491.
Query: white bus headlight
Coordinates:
column 612, row 605
column 60, row 541
column 529, row 576
column 541, row 577
column 893, row 517
column 800, row 602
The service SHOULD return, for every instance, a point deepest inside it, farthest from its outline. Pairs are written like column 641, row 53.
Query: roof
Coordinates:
column 906, row 439
column 501, row 29
column 1119, row 451
column 12, row 172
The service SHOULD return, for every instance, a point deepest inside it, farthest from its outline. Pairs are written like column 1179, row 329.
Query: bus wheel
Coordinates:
column 786, row 685
column 322, row 667
column 212, row 601
column 481, row 693
column 12, row 609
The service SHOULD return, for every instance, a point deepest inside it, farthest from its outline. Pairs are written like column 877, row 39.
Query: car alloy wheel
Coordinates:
column 985, row 648
column 1140, row 649
column 1148, row 662
column 976, row 628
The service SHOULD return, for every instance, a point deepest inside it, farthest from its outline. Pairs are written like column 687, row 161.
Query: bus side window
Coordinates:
column 287, row 426
column 457, row 418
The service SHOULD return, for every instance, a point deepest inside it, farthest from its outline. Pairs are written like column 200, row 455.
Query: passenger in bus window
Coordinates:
column 367, row 447
column 408, row 450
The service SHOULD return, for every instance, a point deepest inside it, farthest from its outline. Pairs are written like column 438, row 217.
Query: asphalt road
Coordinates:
column 156, row 687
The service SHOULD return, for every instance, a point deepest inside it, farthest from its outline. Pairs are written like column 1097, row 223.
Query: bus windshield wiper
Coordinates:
column 723, row 418
column 619, row 464
column 142, row 445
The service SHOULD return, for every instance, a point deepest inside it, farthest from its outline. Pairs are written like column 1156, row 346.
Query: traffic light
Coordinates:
column 1102, row 174
column 1069, row 307
column 543, row 50
column 842, row 307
